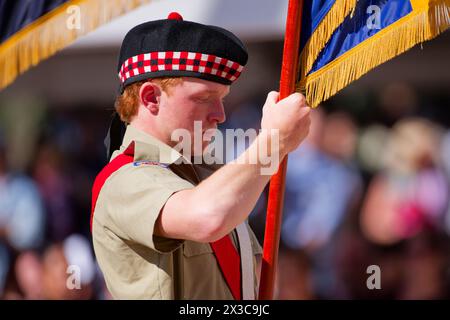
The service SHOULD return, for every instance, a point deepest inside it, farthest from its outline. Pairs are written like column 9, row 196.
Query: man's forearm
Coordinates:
column 230, row 194
column 225, row 199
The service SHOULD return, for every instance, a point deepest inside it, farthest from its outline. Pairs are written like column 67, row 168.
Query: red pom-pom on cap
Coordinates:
column 175, row 16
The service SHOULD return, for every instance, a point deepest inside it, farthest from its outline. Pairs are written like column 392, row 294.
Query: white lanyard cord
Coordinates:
column 247, row 267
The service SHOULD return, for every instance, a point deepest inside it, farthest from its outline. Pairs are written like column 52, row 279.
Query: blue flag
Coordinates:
column 343, row 40
column 33, row 30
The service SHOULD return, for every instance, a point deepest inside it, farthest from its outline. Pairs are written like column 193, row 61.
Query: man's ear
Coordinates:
column 149, row 95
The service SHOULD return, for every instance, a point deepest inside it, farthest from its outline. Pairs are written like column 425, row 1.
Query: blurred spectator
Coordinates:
column 321, row 182
column 425, row 267
column 4, row 267
column 21, row 211
column 401, row 220
column 75, row 252
column 445, row 160
column 372, row 142
column 22, row 218
column 322, row 186
column 55, row 188
column 28, row 270
column 411, row 192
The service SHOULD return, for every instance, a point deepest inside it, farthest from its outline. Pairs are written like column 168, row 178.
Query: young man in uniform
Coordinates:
column 170, row 229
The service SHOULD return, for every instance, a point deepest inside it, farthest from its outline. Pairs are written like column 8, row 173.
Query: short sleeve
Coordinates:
column 134, row 197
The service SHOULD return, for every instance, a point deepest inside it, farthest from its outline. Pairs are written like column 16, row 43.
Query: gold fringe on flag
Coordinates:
column 53, row 31
column 332, row 20
column 427, row 20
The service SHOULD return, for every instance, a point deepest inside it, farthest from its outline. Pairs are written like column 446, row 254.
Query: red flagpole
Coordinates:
column 288, row 78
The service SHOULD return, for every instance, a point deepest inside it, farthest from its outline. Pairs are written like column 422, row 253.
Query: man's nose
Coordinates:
column 218, row 114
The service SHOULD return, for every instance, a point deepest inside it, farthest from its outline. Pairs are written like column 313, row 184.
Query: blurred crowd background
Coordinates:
column 370, row 186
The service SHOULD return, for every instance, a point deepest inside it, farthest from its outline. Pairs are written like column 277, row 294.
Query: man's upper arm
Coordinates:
column 135, row 196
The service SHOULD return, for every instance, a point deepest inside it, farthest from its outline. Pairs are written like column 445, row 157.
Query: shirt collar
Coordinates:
column 147, row 147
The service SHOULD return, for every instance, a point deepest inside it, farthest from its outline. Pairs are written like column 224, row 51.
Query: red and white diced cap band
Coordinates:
column 180, row 61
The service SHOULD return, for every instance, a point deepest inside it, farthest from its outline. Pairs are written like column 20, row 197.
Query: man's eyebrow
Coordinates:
column 210, row 91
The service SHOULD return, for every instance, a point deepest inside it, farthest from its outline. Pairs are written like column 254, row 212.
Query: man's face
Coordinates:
column 193, row 100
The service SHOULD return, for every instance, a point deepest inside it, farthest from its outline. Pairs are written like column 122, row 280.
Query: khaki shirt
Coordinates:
column 136, row 263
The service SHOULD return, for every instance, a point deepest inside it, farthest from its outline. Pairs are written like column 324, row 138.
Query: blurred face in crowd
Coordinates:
column 29, row 275
column 55, row 277
column 339, row 136
column 54, row 273
column 163, row 111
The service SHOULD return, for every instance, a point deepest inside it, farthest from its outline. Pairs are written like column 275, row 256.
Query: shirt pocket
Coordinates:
column 202, row 277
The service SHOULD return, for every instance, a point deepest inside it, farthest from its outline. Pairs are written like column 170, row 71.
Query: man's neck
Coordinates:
column 151, row 131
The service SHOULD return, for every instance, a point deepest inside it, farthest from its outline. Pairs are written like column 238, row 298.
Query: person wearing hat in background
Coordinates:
column 169, row 229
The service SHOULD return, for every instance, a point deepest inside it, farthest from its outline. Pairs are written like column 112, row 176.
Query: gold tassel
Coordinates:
column 50, row 33
column 418, row 26
column 332, row 20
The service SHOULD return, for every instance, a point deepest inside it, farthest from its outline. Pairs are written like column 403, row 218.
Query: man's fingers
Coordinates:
column 296, row 98
column 272, row 97
column 304, row 111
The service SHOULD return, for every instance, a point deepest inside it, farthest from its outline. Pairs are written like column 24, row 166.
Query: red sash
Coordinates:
column 226, row 254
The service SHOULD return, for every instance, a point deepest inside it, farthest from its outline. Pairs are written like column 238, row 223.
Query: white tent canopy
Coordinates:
column 249, row 19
